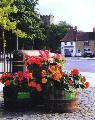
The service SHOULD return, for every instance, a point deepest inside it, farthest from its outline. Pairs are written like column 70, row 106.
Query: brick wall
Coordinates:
column 80, row 45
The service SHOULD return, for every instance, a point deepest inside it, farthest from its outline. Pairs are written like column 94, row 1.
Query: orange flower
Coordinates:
column 55, row 76
column 52, row 68
column 87, row 84
column 30, row 75
column 32, row 84
column 75, row 72
column 44, row 80
column 83, row 79
column 7, row 83
column 38, row 87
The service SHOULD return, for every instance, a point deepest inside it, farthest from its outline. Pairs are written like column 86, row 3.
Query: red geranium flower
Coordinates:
column 44, row 80
column 46, row 52
column 5, row 75
column 87, row 84
column 38, row 87
column 20, row 73
column 7, row 83
column 26, row 56
column 75, row 72
column 71, row 82
column 43, row 73
column 0, row 81
column 33, row 84
column 83, row 79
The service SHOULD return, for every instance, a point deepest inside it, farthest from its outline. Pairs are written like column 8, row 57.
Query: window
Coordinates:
column 65, row 50
column 71, row 51
column 86, row 43
column 65, row 43
column 78, row 51
column 71, row 43
column 86, row 49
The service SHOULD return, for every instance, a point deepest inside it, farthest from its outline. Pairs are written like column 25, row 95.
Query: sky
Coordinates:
column 80, row 13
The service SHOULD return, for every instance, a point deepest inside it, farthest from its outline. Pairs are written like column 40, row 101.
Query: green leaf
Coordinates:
column 69, row 95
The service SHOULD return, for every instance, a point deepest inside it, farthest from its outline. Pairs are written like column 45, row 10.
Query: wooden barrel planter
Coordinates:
column 57, row 103
column 18, row 101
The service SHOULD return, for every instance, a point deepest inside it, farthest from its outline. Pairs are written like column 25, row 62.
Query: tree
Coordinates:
column 6, row 8
column 29, row 21
column 54, row 34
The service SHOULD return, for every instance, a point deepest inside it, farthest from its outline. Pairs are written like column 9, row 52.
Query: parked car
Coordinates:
column 68, row 54
column 88, row 54
column 78, row 54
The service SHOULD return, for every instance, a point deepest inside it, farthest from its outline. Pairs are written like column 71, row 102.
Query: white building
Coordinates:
column 68, row 43
column 68, row 46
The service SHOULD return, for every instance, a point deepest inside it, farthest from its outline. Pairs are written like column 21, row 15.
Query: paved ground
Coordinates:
column 83, row 64
column 85, row 110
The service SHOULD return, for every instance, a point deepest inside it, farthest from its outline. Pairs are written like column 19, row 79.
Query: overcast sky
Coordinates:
column 80, row 13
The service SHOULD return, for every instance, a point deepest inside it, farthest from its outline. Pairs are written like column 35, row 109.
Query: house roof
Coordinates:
column 74, row 35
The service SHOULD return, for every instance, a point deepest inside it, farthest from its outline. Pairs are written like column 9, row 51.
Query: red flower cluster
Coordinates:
column 20, row 79
column 39, row 60
column 44, row 57
column 76, row 76
column 46, row 74
column 58, row 56
column 34, row 60
column 75, row 72
column 86, row 84
column 33, row 84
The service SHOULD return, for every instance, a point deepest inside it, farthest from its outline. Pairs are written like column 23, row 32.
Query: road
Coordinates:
column 83, row 64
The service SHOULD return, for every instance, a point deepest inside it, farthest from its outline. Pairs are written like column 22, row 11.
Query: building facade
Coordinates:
column 81, row 41
column 47, row 19
column 68, row 46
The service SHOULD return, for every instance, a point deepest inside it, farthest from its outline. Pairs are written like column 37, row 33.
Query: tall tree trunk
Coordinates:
column 4, row 45
column 17, row 43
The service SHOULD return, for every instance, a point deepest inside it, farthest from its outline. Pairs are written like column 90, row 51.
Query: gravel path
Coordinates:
column 86, row 110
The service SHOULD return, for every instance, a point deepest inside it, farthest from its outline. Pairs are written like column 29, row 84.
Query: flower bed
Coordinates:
column 40, row 83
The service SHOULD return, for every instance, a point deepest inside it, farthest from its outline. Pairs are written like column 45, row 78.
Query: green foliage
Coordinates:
column 6, row 8
column 7, row 2
column 28, row 19
column 54, row 34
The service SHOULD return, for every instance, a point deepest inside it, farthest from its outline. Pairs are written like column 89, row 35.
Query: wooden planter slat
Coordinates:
column 12, row 102
column 62, row 105
column 57, row 103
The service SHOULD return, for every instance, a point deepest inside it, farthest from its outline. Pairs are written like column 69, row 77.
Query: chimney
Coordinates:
column 76, row 28
column 94, row 29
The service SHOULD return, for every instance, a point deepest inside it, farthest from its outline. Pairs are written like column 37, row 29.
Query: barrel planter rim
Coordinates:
column 14, row 103
column 61, row 105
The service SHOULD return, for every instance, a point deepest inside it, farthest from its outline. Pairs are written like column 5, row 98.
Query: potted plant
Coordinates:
column 63, row 88
column 43, row 84
column 19, row 90
column 59, row 87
